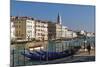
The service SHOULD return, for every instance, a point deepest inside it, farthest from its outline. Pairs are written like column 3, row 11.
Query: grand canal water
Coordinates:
column 19, row 60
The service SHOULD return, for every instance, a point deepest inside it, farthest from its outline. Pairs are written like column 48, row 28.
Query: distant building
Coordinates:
column 64, row 32
column 69, row 34
column 41, row 30
column 74, row 34
column 59, row 19
column 82, row 32
column 90, row 34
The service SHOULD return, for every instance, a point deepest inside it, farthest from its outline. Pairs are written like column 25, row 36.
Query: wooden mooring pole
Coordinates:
column 13, row 64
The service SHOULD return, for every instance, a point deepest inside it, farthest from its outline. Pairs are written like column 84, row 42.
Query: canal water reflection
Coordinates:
column 57, row 46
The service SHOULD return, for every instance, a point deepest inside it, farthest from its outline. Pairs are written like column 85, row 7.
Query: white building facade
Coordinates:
column 89, row 34
column 71, row 34
column 82, row 32
column 74, row 34
column 12, row 31
column 30, row 29
column 58, row 31
column 64, row 32
column 41, row 30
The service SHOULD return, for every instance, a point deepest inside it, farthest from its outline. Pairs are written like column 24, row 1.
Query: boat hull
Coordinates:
column 45, row 55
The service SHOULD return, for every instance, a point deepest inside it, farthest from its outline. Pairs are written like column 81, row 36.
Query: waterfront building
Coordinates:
column 64, row 31
column 51, row 30
column 41, row 30
column 24, row 27
column 20, row 27
column 30, row 29
column 27, row 28
column 12, row 31
column 82, row 32
column 90, row 34
column 58, row 31
column 69, row 34
column 74, row 34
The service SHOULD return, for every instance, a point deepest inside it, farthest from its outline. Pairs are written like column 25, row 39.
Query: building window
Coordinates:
column 18, row 32
column 29, row 26
column 29, row 22
column 18, row 21
column 29, row 31
column 13, row 26
column 19, row 26
column 38, row 26
column 16, row 26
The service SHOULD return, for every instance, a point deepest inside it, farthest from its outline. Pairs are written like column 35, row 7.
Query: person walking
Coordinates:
column 89, row 48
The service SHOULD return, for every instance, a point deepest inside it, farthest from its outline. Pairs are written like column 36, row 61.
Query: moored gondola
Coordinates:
column 47, row 55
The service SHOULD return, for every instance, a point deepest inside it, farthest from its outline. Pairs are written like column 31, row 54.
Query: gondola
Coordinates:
column 47, row 55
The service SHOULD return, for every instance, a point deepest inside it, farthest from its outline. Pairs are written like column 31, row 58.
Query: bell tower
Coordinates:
column 59, row 20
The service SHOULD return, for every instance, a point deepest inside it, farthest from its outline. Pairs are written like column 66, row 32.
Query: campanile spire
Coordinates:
column 59, row 20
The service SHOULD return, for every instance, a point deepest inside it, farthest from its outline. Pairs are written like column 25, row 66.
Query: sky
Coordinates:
column 75, row 17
